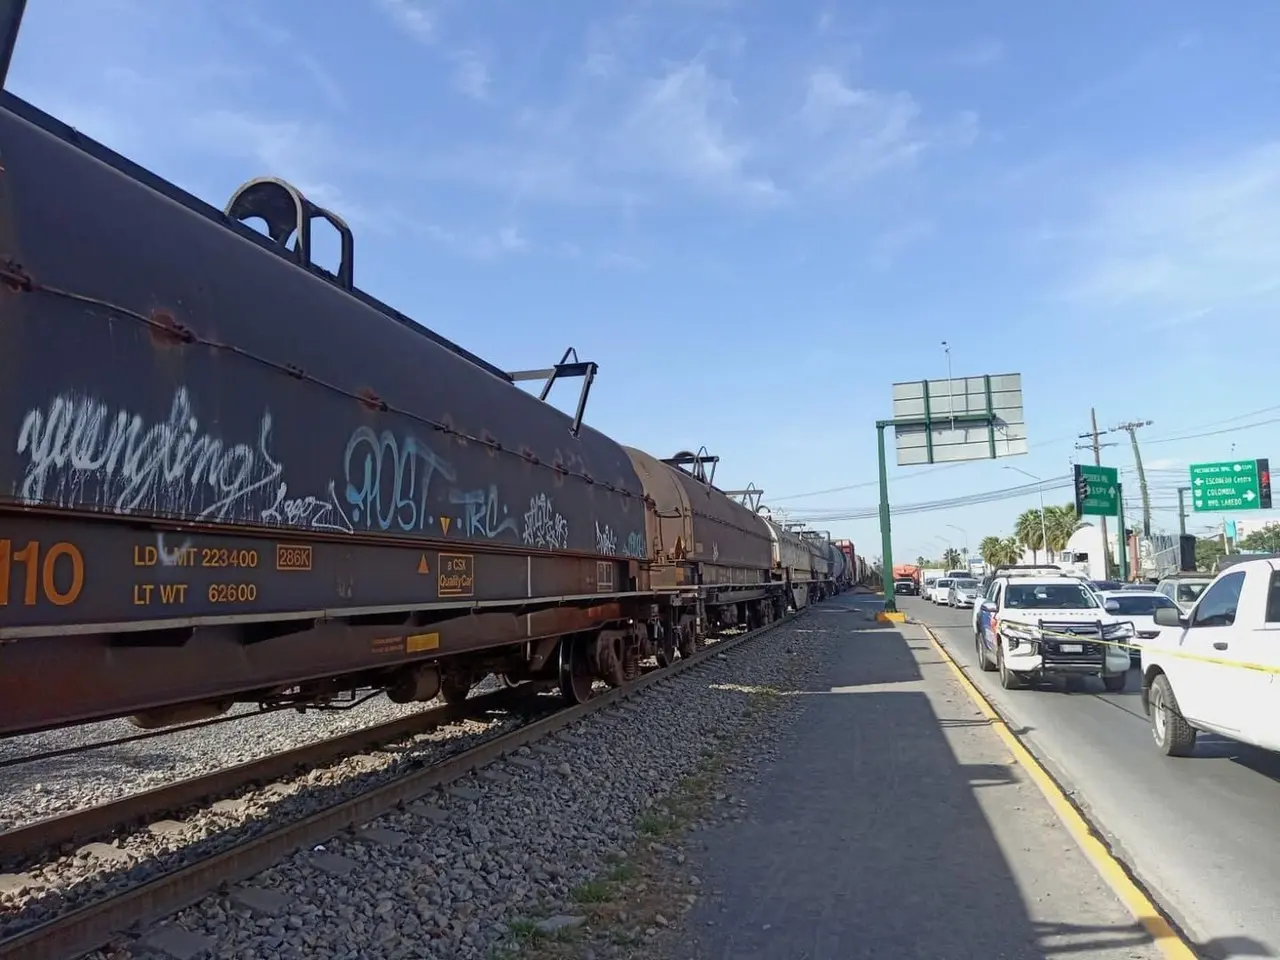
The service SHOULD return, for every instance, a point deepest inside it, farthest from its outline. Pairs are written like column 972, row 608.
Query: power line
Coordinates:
column 992, row 496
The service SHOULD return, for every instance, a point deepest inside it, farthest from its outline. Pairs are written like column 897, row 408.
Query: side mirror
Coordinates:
column 1112, row 606
column 988, row 606
column 1169, row 617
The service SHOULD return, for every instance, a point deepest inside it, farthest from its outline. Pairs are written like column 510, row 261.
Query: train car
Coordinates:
column 710, row 556
column 839, row 567
column 792, row 564
column 230, row 475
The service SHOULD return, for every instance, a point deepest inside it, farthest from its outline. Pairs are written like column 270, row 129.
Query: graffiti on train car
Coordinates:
column 389, row 479
column 79, row 451
column 544, row 525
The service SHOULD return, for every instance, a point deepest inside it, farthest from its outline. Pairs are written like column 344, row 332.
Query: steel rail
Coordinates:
column 31, row 839
column 94, row 925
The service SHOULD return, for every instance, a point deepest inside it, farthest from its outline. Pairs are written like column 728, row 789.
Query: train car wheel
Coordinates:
column 575, row 670
column 454, row 688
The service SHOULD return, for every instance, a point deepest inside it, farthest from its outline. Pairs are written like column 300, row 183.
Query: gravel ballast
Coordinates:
column 509, row 859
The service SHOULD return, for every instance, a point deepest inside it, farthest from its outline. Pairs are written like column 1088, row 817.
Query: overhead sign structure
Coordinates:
column 1097, row 491
column 964, row 418
column 1231, row 485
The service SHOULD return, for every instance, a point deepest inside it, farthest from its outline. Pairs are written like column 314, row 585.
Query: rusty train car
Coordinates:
column 232, row 476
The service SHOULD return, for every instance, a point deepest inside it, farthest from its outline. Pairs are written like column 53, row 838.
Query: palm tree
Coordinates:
column 1030, row 533
column 920, row 562
column 1060, row 523
column 951, row 558
column 1011, row 549
column 989, row 550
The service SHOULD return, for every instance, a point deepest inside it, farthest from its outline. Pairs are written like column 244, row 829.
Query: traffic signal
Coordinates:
column 1082, row 490
column 1264, row 484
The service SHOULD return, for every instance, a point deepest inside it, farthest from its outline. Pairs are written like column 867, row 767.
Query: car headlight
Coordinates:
column 1020, row 631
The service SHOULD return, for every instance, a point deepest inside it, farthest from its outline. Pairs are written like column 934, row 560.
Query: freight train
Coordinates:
column 229, row 475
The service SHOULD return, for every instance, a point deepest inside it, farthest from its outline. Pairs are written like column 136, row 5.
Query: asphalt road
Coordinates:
column 1202, row 833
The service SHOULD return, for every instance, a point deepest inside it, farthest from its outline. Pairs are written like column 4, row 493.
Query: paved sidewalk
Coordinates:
column 896, row 825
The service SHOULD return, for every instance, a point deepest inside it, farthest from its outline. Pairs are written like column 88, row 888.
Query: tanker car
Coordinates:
column 230, row 476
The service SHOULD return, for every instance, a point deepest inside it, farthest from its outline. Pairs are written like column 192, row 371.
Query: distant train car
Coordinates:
column 709, row 555
column 793, row 563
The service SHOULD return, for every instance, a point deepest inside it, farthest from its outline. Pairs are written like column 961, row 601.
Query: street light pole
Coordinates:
column 1044, row 535
column 964, row 533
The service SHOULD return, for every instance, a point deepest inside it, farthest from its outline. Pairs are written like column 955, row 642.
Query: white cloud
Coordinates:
column 1181, row 241
column 471, row 75
column 480, row 244
column 860, row 133
column 679, row 126
column 894, row 242
column 979, row 53
column 412, row 17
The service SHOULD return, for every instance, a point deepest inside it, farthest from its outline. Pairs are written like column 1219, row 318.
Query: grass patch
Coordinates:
column 593, row 891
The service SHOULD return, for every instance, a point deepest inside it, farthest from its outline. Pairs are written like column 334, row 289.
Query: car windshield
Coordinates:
column 1142, row 604
column 965, row 584
column 944, row 583
column 1190, row 591
column 1050, row 596
column 903, row 583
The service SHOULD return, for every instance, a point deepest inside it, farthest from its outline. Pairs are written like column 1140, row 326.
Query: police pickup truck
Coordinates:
column 1034, row 624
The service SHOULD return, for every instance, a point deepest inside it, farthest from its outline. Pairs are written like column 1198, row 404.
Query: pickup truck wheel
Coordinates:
column 1115, row 682
column 984, row 662
column 1009, row 679
column 1173, row 735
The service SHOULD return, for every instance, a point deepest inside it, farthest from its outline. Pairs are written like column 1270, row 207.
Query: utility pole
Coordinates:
column 1096, row 445
column 1182, row 510
column 1132, row 428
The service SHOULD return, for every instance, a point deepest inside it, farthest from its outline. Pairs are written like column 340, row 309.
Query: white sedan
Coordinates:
column 1140, row 607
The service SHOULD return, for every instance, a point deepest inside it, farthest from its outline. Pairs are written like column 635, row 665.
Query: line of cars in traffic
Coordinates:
column 1207, row 646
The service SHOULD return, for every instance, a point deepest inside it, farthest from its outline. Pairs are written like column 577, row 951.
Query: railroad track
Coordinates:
column 105, row 819
column 95, row 924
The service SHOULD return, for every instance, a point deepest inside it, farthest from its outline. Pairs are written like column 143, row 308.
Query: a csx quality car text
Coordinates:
column 231, row 476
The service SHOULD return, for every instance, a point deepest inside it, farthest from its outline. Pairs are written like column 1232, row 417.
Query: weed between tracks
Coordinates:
column 647, row 891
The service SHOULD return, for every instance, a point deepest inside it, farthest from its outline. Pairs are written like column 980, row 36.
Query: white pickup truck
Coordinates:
column 1218, row 673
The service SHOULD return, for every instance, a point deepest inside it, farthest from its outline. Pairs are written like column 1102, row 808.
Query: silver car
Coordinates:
column 963, row 593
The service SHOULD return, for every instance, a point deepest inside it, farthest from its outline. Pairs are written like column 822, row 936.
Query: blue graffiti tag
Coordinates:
column 635, row 545
column 388, row 480
column 480, row 513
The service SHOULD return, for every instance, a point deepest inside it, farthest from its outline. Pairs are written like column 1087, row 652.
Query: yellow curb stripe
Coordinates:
column 1130, row 894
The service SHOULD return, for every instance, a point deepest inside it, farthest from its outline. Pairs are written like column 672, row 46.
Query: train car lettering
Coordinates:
column 142, row 594
column 233, row 592
column 58, row 579
column 457, row 575
column 293, row 556
column 224, row 557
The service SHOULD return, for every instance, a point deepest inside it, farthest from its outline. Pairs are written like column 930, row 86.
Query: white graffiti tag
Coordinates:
column 543, row 525
column 80, row 452
column 606, row 542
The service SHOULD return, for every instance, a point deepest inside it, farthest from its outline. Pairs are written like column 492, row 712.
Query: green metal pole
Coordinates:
column 886, row 535
column 1123, row 552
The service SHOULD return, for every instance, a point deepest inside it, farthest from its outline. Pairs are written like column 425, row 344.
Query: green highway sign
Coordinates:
column 1231, row 485
column 1097, row 491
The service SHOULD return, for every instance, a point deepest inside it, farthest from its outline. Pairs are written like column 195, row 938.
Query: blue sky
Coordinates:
column 756, row 216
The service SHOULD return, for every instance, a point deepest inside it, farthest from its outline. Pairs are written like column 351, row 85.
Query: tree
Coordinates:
column 1012, row 549
column 951, row 559
column 989, row 550
column 1268, row 539
column 1029, row 531
column 1208, row 551
column 1060, row 523
column 920, row 562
